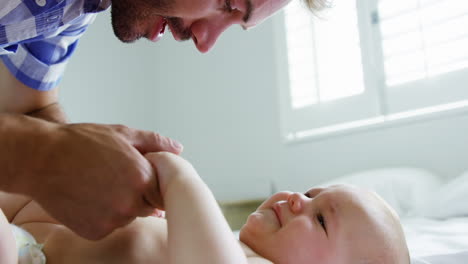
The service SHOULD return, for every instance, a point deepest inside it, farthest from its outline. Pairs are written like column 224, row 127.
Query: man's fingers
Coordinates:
column 151, row 197
column 152, row 194
column 147, row 141
column 149, row 205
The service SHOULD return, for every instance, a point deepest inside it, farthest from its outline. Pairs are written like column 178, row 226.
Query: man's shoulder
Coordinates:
column 38, row 41
column 16, row 11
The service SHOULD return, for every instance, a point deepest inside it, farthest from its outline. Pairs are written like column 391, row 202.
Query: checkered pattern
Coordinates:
column 37, row 37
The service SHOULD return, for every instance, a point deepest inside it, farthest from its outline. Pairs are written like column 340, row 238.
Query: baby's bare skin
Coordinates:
column 142, row 241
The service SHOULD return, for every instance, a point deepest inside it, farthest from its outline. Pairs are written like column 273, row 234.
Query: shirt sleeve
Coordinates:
column 40, row 63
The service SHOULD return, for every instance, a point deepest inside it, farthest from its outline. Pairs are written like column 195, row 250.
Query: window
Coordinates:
column 423, row 38
column 325, row 52
column 367, row 62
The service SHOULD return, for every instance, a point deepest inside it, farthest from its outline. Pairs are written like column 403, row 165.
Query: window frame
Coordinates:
column 378, row 104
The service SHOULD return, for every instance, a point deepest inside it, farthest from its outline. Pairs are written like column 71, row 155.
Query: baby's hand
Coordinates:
column 169, row 167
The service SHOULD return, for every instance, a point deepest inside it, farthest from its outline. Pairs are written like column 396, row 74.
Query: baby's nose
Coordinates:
column 296, row 202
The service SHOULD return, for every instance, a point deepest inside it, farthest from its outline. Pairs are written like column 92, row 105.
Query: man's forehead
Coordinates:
column 262, row 9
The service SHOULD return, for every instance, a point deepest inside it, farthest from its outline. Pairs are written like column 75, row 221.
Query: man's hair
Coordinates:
column 317, row 5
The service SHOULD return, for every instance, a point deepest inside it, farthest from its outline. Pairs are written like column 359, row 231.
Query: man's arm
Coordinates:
column 15, row 97
column 16, row 101
column 92, row 178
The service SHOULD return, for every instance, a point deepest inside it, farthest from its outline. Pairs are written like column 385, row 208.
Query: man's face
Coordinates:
column 200, row 20
column 331, row 225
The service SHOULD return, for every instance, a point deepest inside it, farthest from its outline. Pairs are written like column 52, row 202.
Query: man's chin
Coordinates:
column 126, row 39
column 123, row 31
column 125, row 35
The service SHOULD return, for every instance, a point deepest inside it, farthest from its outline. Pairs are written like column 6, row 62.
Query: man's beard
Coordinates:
column 129, row 15
column 179, row 29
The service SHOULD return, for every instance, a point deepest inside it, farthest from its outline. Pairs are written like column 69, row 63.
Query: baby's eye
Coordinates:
column 322, row 222
column 307, row 194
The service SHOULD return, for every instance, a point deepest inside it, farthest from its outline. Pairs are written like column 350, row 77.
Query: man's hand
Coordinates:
column 94, row 178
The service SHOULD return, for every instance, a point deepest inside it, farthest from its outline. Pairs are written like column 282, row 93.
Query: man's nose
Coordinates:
column 206, row 32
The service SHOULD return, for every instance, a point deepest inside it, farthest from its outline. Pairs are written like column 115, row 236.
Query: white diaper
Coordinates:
column 29, row 251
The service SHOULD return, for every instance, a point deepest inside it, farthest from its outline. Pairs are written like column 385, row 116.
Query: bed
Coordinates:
column 433, row 211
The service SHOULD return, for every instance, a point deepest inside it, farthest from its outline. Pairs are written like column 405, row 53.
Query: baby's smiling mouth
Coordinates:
column 277, row 210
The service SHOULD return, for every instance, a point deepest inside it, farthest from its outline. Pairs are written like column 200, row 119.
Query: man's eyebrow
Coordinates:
column 248, row 11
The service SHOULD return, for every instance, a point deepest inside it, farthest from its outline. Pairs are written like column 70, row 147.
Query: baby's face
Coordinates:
column 323, row 225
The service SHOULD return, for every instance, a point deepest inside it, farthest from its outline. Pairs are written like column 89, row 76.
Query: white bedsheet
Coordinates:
column 453, row 258
column 427, row 237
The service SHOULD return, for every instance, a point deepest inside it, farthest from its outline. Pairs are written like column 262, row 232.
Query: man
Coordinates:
column 93, row 178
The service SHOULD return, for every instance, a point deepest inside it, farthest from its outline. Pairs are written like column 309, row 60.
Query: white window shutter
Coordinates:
column 370, row 62
column 425, row 52
column 324, row 69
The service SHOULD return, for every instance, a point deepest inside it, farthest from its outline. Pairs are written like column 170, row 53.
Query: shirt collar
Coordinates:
column 93, row 6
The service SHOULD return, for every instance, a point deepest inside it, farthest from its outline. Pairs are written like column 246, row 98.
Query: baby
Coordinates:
column 335, row 225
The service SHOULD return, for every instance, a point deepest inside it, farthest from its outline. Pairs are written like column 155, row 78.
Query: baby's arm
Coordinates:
column 197, row 230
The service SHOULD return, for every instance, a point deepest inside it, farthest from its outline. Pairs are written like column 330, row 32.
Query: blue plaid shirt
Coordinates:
column 37, row 37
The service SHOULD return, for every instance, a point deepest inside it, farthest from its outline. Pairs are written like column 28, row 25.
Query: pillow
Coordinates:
column 403, row 188
column 448, row 201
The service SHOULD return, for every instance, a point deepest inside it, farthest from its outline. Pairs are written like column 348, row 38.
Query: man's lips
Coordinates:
column 158, row 29
column 174, row 32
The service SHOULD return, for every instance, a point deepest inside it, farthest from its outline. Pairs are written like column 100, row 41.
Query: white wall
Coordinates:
column 223, row 106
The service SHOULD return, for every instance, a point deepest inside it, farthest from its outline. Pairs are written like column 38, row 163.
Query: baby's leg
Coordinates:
column 143, row 241
column 8, row 254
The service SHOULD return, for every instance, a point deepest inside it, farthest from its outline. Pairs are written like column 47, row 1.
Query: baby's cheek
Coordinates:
column 255, row 228
column 254, row 223
column 305, row 223
column 301, row 231
column 305, row 245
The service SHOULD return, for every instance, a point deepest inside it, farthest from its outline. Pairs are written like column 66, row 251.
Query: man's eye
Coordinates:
column 321, row 220
column 227, row 6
